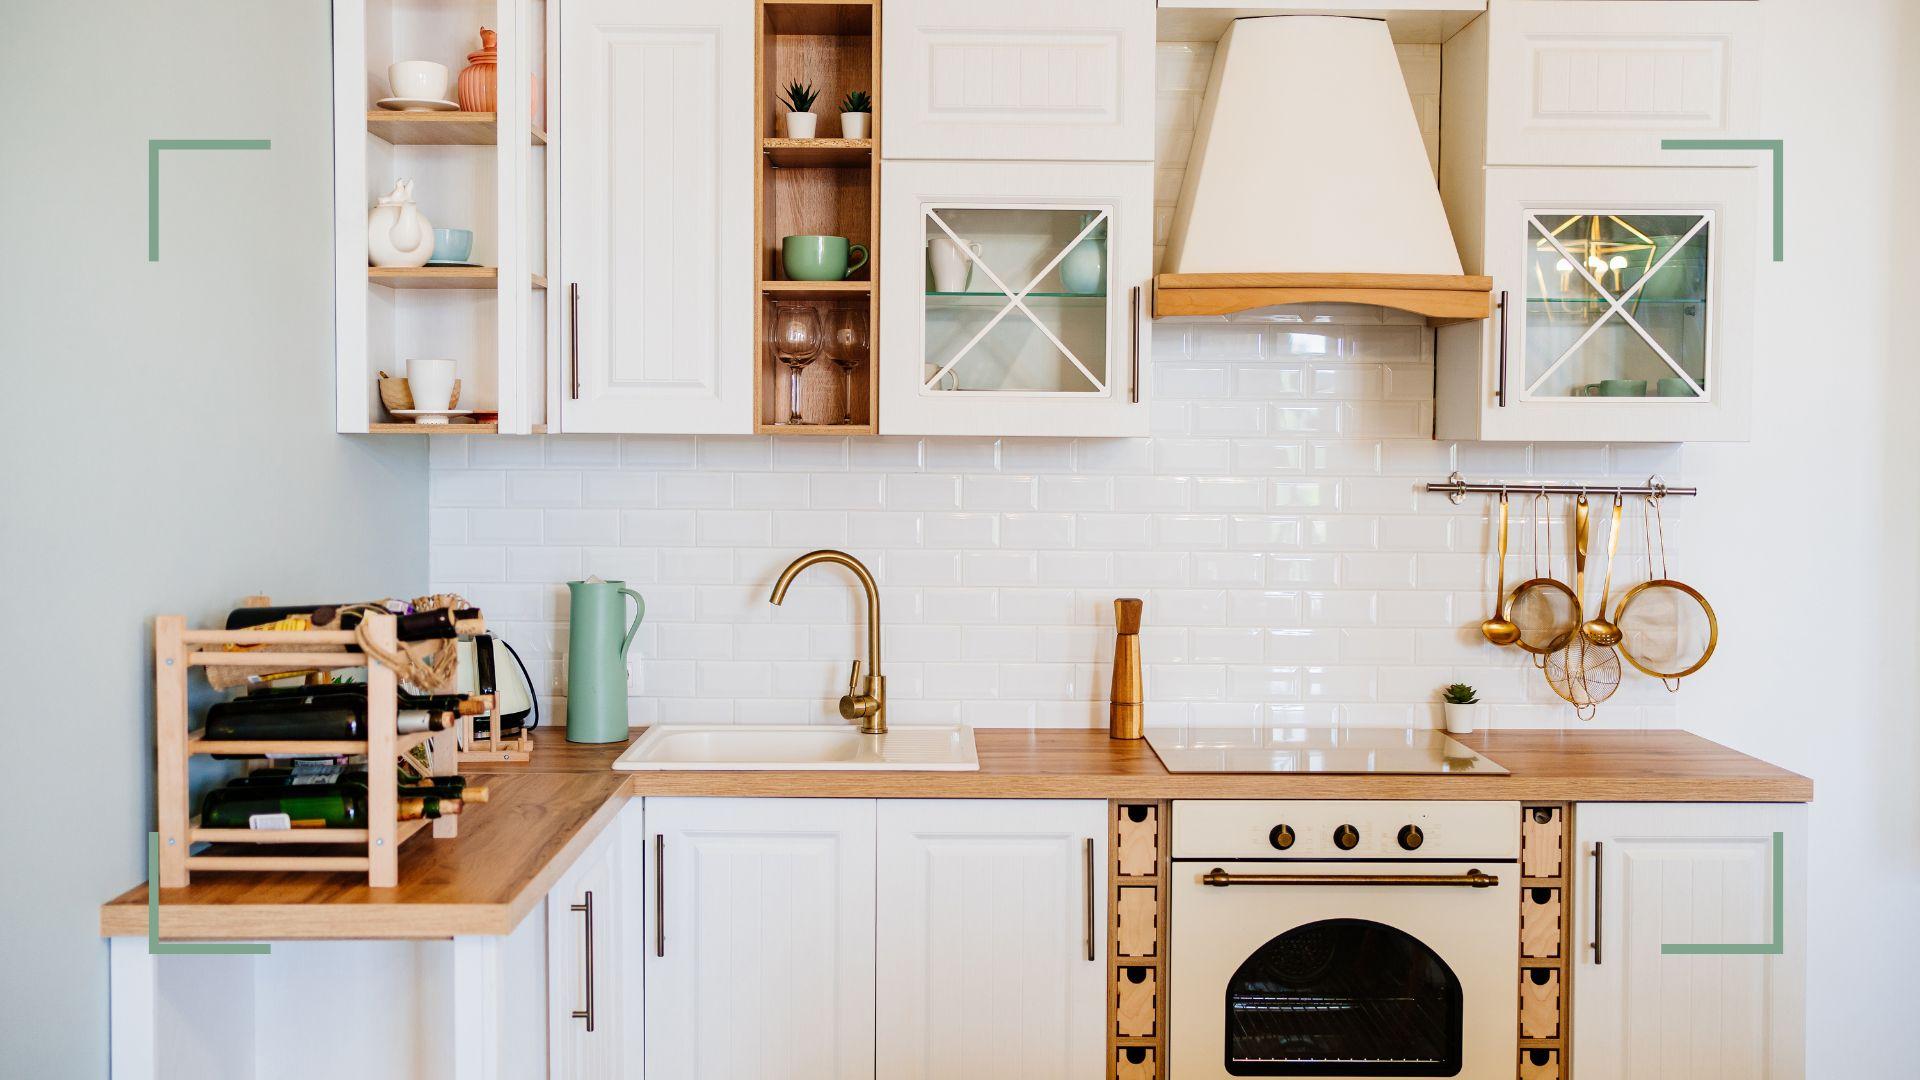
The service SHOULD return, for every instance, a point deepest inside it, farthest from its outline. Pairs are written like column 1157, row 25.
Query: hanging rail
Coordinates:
column 1457, row 489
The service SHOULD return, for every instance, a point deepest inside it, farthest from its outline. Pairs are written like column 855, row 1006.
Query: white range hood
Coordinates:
column 1308, row 181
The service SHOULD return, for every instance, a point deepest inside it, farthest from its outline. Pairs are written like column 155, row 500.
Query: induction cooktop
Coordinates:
column 1387, row 751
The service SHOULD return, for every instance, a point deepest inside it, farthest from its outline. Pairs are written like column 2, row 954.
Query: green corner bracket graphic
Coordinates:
column 1779, row 149
column 156, row 947
column 154, row 146
column 1779, row 943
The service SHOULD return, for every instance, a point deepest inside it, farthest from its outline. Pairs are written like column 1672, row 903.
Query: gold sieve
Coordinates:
column 1544, row 610
column 1669, row 630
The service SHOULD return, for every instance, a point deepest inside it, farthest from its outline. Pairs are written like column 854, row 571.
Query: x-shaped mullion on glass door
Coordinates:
column 1016, row 299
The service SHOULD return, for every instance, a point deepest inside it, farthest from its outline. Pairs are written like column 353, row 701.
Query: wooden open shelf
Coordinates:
column 433, row 429
column 439, row 128
column 1442, row 298
column 434, row 277
column 827, row 186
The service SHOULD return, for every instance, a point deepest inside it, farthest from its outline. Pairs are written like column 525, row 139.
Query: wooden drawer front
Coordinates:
column 1541, row 829
column 1138, row 852
column 1138, row 1063
column 1540, row 923
column 1135, row 1001
column 1539, row 1003
column 1137, row 925
column 1539, row 1065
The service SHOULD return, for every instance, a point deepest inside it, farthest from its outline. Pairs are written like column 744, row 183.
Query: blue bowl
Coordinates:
column 452, row 245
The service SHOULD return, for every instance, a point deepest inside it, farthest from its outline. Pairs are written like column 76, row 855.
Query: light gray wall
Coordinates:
column 165, row 434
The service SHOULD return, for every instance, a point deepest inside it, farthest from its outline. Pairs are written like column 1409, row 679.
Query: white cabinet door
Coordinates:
column 1044, row 80
column 1013, row 298
column 1627, row 313
column 1654, row 876
column 992, row 926
column 656, row 189
column 759, row 939
column 1602, row 82
column 593, row 1015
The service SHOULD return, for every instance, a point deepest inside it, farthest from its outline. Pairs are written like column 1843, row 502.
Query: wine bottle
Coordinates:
column 356, row 693
column 340, row 807
column 457, row 787
column 236, row 720
column 413, row 626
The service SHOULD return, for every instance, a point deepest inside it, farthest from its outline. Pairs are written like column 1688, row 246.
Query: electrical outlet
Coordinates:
column 634, row 689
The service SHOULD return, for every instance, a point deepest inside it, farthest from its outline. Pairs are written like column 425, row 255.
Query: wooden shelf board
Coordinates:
column 196, row 744
column 433, row 429
column 1442, row 298
column 839, row 18
column 814, row 429
column 815, row 290
column 818, row 153
column 434, row 277
column 434, row 128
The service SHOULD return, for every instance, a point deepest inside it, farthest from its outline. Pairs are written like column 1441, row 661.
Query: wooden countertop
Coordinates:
column 543, row 814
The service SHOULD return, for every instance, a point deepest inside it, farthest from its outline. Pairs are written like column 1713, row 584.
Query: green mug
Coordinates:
column 819, row 258
column 1617, row 388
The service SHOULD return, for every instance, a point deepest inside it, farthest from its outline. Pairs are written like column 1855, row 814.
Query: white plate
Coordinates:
column 449, row 262
column 430, row 416
column 411, row 104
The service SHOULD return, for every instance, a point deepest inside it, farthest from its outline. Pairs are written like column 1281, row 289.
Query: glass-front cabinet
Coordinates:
column 1026, row 310
column 1625, row 302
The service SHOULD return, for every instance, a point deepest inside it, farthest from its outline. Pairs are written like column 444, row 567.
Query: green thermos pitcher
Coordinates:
column 598, row 636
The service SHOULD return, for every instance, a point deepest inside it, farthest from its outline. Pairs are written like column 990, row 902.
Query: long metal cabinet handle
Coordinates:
column 1090, row 913
column 1134, row 390
column 1472, row 879
column 659, row 894
column 1503, row 348
column 1598, row 846
column 587, row 910
column 573, row 337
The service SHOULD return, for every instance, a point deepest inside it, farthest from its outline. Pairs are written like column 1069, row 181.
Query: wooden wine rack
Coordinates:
column 374, row 849
column 1546, row 940
column 1137, row 974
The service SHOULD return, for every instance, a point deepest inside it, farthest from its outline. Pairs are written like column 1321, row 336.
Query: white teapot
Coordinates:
column 398, row 234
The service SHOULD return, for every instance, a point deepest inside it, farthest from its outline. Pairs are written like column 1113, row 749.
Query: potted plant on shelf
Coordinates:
column 1462, row 707
column 855, row 111
column 799, row 101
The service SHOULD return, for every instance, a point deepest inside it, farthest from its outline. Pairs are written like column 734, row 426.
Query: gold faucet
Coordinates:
column 869, row 704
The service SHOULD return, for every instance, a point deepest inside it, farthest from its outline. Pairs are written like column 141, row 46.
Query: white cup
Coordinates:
column 431, row 384
column 952, row 270
column 418, row 79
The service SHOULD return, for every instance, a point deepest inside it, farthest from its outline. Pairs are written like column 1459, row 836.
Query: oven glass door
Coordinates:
column 1361, row 980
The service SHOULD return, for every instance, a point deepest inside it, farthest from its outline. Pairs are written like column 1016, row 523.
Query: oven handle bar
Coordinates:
column 1472, row 879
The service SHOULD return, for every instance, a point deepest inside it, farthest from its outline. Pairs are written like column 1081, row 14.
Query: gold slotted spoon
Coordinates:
column 1597, row 629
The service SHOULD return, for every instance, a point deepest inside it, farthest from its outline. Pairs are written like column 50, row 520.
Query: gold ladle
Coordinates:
column 1597, row 629
column 1499, row 629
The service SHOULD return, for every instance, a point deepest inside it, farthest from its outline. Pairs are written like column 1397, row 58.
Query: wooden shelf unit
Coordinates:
column 433, row 429
column 439, row 128
column 176, row 649
column 828, row 185
column 1546, row 966
column 1139, row 871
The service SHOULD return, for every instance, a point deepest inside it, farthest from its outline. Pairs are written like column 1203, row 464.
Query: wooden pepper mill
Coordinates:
column 1128, row 711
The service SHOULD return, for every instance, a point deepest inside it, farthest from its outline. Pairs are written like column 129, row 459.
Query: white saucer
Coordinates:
column 411, row 104
column 449, row 262
column 430, row 416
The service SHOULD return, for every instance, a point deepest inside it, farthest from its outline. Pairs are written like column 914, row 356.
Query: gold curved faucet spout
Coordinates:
column 865, row 702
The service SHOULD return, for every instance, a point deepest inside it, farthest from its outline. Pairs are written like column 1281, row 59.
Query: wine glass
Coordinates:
column 795, row 337
column 847, row 346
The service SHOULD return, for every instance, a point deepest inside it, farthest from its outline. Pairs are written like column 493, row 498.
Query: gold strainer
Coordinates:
column 1582, row 673
column 1670, row 629
column 1545, row 610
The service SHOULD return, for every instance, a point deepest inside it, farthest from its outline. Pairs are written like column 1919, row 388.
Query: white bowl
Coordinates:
column 418, row 79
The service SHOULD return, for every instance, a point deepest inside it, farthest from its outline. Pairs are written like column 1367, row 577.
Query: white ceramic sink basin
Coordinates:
column 800, row 746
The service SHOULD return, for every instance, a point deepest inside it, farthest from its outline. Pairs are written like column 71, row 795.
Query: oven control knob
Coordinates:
column 1411, row 837
column 1346, row 838
column 1281, row 837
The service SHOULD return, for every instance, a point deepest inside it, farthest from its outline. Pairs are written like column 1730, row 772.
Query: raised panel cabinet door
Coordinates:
column 593, row 1008
column 759, row 944
column 1724, row 883
column 992, row 939
column 1014, row 298
column 1046, row 80
column 656, row 196
column 1602, row 82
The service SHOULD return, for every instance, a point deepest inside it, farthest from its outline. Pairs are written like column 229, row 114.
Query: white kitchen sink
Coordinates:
column 945, row 748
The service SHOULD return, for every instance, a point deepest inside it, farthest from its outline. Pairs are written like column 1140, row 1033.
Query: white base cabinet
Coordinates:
column 1655, row 876
column 594, row 1029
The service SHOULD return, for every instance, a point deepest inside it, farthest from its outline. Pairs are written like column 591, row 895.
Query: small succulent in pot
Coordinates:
column 1462, row 706
column 855, row 110
column 799, row 99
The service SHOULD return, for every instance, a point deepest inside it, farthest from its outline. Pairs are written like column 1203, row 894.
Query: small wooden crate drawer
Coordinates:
column 1539, row 1003
column 1135, row 1063
column 1541, row 831
column 1137, row 921
column 1539, row 1064
column 1540, row 923
column 1135, row 994
column 1137, row 852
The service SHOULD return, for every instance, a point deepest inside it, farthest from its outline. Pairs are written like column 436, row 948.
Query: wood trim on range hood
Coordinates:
column 1442, row 298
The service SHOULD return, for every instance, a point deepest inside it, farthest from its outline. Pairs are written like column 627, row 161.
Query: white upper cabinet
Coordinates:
column 1625, row 309
column 992, row 923
column 1045, row 80
column 1655, row 876
column 657, row 159
column 1601, row 82
column 759, row 939
column 1013, row 299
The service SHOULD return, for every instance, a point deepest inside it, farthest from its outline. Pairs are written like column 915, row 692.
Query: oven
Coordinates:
column 1355, row 939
